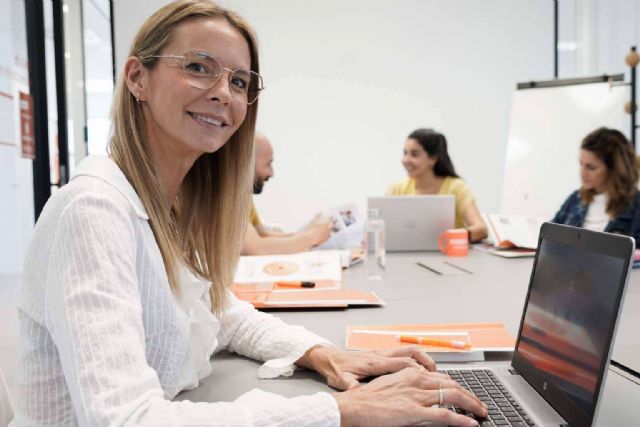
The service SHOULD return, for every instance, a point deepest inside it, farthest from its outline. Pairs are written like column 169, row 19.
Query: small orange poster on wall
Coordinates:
column 27, row 134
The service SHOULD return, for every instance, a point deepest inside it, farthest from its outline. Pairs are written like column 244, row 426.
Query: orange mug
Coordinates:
column 454, row 242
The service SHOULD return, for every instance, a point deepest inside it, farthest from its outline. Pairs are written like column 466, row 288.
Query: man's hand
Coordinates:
column 319, row 230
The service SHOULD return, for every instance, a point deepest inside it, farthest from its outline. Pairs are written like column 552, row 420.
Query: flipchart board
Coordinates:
column 546, row 128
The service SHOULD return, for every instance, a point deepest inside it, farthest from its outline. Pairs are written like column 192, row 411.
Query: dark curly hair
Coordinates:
column 615, row 151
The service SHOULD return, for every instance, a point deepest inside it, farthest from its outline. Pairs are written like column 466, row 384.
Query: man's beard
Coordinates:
column 258, row 185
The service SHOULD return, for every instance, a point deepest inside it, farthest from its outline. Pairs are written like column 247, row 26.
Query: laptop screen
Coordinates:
column 567, row 325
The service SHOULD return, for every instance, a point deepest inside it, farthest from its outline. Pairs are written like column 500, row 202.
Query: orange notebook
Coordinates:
column 478, row 336
column 310, row 298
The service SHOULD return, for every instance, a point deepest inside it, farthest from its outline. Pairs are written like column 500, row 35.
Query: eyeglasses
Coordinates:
column 203, row 72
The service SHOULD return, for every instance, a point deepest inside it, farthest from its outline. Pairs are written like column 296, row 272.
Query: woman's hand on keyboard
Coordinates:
column 344, row 370
column 408, row 397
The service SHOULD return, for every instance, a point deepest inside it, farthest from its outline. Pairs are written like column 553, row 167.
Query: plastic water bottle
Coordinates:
column 374, row 250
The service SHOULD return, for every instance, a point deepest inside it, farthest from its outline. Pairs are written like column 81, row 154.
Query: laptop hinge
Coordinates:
column 513, row 371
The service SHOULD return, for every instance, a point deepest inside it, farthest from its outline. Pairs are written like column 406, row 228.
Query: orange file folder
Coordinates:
column 311, row 298
column 476, row 336
column 274, row 286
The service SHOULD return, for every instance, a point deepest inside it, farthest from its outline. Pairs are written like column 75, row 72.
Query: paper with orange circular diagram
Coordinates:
column 280, row 268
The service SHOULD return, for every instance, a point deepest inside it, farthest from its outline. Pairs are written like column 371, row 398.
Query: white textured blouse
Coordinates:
column 104, row 342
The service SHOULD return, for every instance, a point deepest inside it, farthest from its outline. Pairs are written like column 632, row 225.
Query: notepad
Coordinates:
column 513, row 253
column 481, row 336
column 512, row 231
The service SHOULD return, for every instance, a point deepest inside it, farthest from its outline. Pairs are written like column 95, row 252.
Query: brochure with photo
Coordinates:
column 348, row 227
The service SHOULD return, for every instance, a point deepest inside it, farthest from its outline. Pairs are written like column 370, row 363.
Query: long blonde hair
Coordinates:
column 205, row 226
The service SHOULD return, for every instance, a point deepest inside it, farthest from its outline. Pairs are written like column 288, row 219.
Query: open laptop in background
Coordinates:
column 414, row 223
column 566, row 333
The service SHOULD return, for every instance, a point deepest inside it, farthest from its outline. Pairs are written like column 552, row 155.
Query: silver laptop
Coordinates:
column 414, row 223
column 566, row 333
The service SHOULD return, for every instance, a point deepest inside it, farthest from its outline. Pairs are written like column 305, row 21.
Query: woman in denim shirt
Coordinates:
column 609, row 199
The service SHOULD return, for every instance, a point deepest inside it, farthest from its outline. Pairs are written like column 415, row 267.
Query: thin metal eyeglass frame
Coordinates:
column 222, row 67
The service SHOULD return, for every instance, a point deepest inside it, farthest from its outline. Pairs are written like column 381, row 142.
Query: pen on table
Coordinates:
column 434, row 341
column 458, row 267
column 296, row 284
column 433, row 270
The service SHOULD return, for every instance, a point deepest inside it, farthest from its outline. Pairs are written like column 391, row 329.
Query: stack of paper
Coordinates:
column 270, row 282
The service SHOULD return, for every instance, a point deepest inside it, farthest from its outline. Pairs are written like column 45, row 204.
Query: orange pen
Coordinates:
column 434, row 341
column 303, row 284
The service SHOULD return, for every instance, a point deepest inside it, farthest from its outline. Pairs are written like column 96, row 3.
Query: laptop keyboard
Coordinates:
column 504, row 410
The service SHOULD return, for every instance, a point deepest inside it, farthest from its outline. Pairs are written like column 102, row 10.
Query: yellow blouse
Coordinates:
column 254, row 219
column 455, row 186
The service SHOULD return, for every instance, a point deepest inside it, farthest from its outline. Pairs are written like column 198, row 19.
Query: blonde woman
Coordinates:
column 125, row 294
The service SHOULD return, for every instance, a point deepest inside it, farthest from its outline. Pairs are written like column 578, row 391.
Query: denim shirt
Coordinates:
column 573, row 212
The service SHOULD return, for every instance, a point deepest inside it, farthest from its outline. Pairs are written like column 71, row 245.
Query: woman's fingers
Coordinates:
column 446, row 417
column 430, row 392
column 414, row 352
column 424, row 359
column 428, row 383
column 439, row 375
column 374, row 363
column 387, row 365
column 343, row 380
column 460, row 399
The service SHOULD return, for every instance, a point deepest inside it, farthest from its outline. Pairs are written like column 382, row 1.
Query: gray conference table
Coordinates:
column 491, row 289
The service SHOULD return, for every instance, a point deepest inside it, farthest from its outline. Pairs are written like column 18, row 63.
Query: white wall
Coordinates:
column 347, row 81
column 16, row 182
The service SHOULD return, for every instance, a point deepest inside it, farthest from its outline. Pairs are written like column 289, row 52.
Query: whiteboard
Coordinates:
column 546, row 129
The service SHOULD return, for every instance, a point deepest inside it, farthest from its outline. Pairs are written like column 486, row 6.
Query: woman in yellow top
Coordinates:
column 431, row 171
